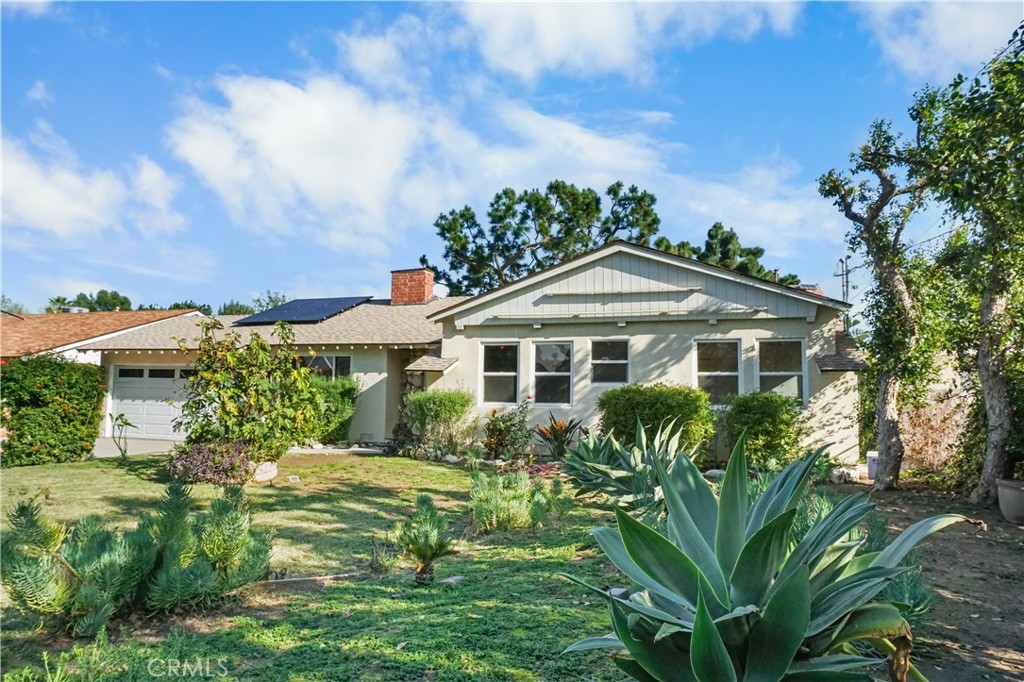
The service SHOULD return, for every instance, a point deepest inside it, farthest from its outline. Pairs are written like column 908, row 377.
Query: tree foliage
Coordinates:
column 11, row 306
column 102, row 301
column 189, row 304
column 267, row 300
column 531, row 230
column 234, row 307
column 722, row 248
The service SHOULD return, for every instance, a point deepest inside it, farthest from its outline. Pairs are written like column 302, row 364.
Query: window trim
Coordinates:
column 739, row 364
column 334, row 363
column 805, row 388
column 481, row 376
column 627, row 362
column 571, row 374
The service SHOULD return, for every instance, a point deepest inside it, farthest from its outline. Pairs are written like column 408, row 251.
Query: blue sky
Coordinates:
column 203, row 151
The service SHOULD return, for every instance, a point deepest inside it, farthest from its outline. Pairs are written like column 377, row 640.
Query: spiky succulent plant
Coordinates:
column 726, row 594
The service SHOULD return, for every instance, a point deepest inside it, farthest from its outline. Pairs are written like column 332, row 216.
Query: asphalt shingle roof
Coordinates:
column 847, row 358
column 27, row 334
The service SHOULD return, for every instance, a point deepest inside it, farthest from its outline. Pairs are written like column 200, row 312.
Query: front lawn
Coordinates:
column 508, row 620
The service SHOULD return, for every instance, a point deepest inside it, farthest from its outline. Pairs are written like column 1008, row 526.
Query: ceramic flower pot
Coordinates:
column 1011, row 499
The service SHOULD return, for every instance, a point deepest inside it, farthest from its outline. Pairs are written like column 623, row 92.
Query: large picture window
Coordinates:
column 501, row 373
column 609, row 362
column 330, row 366
column 718, row 369
column 781, row 368
column 552, row 372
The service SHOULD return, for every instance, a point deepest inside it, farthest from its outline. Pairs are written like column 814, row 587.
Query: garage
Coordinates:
column 151, row 399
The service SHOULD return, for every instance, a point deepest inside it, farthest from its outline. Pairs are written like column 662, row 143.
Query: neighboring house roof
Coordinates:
column 28, row 334
column 370, row 323
column 809, row 293
column 847, row 358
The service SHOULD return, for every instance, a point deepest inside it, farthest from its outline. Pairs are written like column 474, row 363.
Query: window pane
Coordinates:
column 501, row 358
column 319, row 365
column 552, row 389
column 342, row 366
column 130, row 373
column 791, row 386
column 553, row 357
column 781, row 356
column 611, row 373
column 717, row 356
column 161, row 374
column 500, row 389
column 719, row 387
column 609, row 350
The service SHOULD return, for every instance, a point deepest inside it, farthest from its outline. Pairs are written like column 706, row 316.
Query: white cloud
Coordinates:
column 589, row 39
column 153, row 191
column 39, row 93
column 29, row 8
column 935, row 40
column 69, row 286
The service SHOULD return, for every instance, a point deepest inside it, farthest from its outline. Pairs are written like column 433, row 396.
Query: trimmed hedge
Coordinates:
column 438, row 408
column 771, row 424
column 339, row 397
column 621, row 408
column 52, row 409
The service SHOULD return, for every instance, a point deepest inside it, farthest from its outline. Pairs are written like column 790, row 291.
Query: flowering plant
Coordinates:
column 557, row 435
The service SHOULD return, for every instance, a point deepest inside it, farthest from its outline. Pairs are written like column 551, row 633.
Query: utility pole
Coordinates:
column 842, row 271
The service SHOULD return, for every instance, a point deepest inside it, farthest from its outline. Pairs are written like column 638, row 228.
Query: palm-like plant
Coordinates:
column 727, row 595
column 425, row 537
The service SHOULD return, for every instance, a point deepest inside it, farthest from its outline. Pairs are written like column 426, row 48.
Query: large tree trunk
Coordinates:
column 991, row 360
column 890, row 444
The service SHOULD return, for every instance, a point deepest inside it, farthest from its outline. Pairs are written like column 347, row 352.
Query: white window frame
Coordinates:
column 805, row 389
column 627, row 362
column 739, row 364
column 334, row 363
column 481, row 375
column 571, row 374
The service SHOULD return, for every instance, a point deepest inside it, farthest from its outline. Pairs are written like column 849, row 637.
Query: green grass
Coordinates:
column 508, row 620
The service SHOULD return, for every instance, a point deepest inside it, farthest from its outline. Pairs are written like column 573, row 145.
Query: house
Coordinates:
column 66, row 333
column 627, row 313
column 371, row 340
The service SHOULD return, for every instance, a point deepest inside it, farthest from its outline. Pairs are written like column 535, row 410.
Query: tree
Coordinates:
column 234, row 307
column 11, row 306
column 970, row 152
column 102, row 300
column 204, row 308
column 878, row 207
column 723, row 248
column 269, row 299
column 533, row 230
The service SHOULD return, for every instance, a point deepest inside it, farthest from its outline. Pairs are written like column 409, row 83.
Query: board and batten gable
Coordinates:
column 661, row 306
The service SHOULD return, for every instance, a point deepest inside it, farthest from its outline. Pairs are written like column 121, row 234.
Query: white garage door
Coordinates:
column 150, row 398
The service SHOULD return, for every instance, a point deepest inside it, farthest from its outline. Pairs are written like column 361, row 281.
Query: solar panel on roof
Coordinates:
column 305, row 310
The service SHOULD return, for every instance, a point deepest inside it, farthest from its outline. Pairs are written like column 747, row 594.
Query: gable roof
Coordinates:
column 29, row 334
column 809, row 294
column 371, row 323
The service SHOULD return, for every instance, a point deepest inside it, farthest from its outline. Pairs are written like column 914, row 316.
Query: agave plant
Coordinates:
column 726, row 594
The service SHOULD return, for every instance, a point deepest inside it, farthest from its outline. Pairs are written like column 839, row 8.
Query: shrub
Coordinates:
column 506, row 435
column 508, row 501
column 729, row 595
column 621, row 408
column 769, row 421
column 557, row 435
column 83, row 577
column 339, row 404
column 52, row 409
column 250, row 392
column 219, row 462
column 439, row 418
column 425, row 537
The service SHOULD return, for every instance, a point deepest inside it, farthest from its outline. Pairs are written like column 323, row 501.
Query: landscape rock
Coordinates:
column 454, row 580
column 265, row 471
column 714, row 474
column 451, row 459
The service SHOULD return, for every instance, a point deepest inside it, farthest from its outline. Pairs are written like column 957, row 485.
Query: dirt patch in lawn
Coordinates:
column 975, row 628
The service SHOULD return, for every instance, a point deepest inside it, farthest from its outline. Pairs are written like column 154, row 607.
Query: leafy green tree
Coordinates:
column 267, row 300
column 234, row 307
column 532, row 230
column 11, row 306
column 56, row 303
column 102, row 300
column 970, row 153
column 204, row 308
column 878, row 205
column 723, row 248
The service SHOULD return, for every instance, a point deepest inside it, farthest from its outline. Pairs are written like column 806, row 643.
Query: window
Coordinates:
column 130, row 373
column 609, row 362
column 718, row 369
column 161, row 373
column 552, row 372
column 330, row 366
column 781, row 368
column 501, row 373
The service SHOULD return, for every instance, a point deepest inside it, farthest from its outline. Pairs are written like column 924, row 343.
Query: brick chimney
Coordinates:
column 412, row 286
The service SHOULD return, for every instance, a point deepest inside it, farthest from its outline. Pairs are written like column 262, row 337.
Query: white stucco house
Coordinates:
column 622, row 313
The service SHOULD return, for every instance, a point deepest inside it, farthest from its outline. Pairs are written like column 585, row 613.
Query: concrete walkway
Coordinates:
column 105, row 447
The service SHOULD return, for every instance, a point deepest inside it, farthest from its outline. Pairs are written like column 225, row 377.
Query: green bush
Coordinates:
column 506, row 434
column 509, row 501
column 339, row 398
column 621, row 409
column 52, row 409
column 82, row 577
column 440, row 420
column 770, row 423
